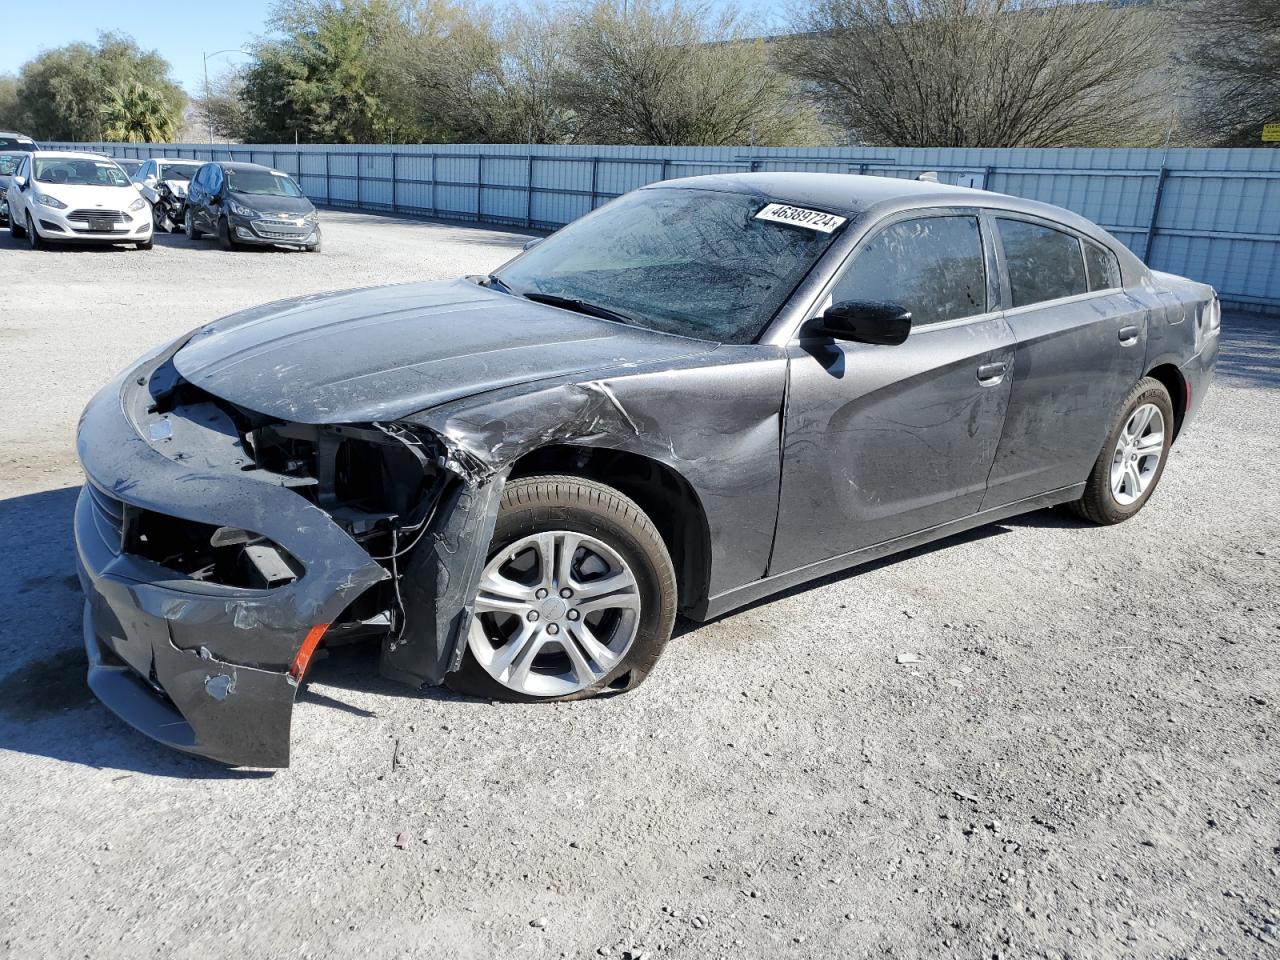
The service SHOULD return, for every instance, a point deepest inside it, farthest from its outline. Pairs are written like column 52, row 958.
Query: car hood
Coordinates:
column 387, row 352
column 270, row 203
column 78, row 197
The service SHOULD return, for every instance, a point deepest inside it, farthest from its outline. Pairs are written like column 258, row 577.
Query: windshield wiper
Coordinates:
column 581, row 306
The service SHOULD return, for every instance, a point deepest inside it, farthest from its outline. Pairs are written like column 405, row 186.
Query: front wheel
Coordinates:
column 15, row 230
column 225, row 240
column 578, row 596
column 189, row 227
column 34, row 240
column 1132, row 460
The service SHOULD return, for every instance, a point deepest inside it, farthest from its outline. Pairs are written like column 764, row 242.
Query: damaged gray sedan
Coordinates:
column 702, row 393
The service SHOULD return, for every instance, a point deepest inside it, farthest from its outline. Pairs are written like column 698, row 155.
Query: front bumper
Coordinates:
column 275, row 232
column 201, row 666
column 58, row 226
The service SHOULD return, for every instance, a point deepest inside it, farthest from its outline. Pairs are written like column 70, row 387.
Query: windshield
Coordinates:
column 697, row 263
column 265, row 182
column 82, row 173
column 9, row 163
column 178, row 171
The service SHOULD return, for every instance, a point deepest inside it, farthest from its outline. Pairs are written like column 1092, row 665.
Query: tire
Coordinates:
column 189, row 227
column 594, row 517
column 15, row 231
column 1115, row 492
column 225, row 239
column 158, row 220
column 314, row 248
column 34, row 240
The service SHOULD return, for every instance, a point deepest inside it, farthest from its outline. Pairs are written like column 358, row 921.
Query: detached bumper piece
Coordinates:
column 207, row 586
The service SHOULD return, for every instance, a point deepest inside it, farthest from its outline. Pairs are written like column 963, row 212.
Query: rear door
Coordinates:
column 884, row 441
column 1081, row 343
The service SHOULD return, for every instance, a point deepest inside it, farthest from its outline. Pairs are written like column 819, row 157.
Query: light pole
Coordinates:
column 207, row 114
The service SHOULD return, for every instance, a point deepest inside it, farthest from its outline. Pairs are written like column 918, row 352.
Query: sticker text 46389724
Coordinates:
column 801, row 217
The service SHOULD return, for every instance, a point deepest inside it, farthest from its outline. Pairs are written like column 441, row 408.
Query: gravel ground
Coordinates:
column 1083, row 764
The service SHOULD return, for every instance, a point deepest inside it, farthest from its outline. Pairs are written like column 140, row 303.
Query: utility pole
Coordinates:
column 208, row 115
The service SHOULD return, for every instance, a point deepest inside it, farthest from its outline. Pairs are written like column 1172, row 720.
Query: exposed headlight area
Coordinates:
column 380, row 483
column 47, row 201
column 228, row 556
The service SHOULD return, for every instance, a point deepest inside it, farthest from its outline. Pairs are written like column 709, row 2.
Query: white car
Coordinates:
column 76, row 198
column 164, row 183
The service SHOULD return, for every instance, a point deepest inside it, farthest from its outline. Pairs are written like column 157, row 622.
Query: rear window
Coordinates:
column 1103, row 267
column 1043, row 263
column 17, row 143
column 932, row 266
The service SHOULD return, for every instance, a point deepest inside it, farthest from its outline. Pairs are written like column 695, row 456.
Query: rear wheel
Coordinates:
column 578, row 596
column 1132, row 460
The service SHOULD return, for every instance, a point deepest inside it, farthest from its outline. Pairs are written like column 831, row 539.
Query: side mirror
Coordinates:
column 866, row 321
column 137, row 186
column 20, row 182
column 530, row 244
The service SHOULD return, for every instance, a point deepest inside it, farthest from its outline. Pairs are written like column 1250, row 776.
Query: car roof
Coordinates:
column 241, row 165
column 68, row 155
column 853, row 194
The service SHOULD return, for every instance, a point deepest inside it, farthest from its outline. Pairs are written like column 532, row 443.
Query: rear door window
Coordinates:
column 933, row 266
column 1102, row 265
column 1043, row 263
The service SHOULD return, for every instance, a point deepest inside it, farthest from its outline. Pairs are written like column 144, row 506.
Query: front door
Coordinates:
column 884, row 441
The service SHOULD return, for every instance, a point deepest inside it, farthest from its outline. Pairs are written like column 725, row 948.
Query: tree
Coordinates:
column 134, row 113
column 63, row 93
column 665, row 72
column 464, row 73
column 10, row 106
column 222, row 109
column 320, row 83
column 1235, row 47
column 982, row 73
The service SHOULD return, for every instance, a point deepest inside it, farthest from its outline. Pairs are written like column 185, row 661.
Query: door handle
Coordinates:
column 990, row 374
column 1128, row 335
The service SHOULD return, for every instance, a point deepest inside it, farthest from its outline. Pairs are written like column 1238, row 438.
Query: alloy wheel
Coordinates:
column 1136, row 458
column 555, row 612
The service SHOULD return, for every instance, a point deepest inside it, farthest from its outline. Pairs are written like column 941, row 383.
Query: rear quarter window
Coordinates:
column 1043, row 263
column 1102, row 266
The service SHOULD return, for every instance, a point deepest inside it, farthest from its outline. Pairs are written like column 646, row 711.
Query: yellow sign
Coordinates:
column 1271, row 133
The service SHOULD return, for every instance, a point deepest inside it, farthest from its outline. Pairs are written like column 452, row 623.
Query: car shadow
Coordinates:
column 1052, row 518
column 46, row 708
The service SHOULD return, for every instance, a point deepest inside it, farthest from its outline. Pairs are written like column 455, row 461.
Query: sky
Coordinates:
column 181, row 31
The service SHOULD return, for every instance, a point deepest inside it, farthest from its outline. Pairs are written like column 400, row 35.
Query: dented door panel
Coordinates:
column 884, row 441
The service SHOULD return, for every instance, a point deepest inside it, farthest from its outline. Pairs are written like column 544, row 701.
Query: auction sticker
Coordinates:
column 801, row 217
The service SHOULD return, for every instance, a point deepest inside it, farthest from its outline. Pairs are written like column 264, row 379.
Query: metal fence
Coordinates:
column 1210, row 214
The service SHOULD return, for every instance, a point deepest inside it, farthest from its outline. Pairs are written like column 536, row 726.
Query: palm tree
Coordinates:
column 135, row 113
